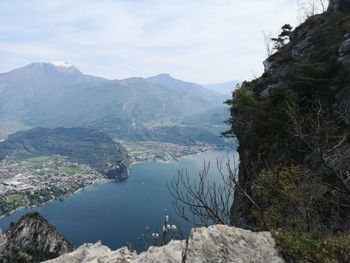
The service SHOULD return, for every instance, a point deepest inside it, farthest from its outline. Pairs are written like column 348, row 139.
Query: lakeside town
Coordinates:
column 38, row 180
column 162, row 151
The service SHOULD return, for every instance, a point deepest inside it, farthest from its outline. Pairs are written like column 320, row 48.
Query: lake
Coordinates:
column 117, row 213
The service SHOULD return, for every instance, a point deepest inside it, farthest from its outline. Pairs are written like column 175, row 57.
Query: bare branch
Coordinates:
column 200, row 200
column 308, row 8
column 268, row 43
column 320, row 133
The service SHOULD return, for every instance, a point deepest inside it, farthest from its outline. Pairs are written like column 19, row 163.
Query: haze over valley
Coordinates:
column 156, row 118
column 134, row 109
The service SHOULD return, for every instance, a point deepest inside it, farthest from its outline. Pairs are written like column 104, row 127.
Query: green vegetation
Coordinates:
column 81, row 145
column 42, row 159
column 281, row 40
column 313, row 248
column 55, row 177
column 188, row 135
column 129, row 109
column 258, row 122
column 294, row 144
column 37, row 162
column 290, row 198
column 41, row 162
column 294, row 121
column 70, row 170
column 14, row 198
column 33, row 215
column 11, row 202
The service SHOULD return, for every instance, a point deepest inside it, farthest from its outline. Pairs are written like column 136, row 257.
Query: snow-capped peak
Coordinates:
column 61, row 64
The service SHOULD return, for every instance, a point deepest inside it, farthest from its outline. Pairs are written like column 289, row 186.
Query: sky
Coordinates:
column 204, row 41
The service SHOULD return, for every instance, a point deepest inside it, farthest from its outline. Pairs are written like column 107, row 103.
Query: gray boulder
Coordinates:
column 89, row 253
column 218, row 243
column 222, row 243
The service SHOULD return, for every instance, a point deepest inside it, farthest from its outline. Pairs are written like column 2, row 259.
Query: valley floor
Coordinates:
column 141, row 151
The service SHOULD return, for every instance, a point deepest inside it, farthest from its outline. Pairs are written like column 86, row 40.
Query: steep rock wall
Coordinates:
column 317, row 60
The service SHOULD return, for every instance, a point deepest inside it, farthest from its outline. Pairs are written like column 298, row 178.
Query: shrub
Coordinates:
column 290, row 198
column 313, row 249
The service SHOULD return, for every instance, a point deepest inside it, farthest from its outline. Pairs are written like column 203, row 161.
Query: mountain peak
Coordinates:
column 55, row 66
column 164, row 76
column 61, row 64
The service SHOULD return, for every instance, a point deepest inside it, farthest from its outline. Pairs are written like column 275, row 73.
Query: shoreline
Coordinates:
column 106, row 181
column 102, row 182
column 172, row 158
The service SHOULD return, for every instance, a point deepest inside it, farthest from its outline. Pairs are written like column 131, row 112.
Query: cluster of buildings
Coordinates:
column 28, row 183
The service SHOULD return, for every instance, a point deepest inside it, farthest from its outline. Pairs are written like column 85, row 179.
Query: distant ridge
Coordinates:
column 57, row 94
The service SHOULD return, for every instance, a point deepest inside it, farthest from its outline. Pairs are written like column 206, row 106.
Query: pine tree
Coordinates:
column 283, row 38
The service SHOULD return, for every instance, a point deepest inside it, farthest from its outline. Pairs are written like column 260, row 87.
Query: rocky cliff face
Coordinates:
column 32, row 239
column 315, row 67
column 217, row 243
column 339, row 6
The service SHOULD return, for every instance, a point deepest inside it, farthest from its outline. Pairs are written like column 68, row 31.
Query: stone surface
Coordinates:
column 226, row 244
column 91, row 253
column 345, row 47
column 172, row 252
column 265, row 93
column 344, row 60
column 32, row 239
column 339, row 6
column 267, row 65
column 217, row 243
column 303, row 47
column 319, row 39
column 344, row 52
column 344, row 106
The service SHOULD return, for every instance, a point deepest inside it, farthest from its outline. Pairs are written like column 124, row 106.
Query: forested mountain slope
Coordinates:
column 82, row 145
column 49, row 95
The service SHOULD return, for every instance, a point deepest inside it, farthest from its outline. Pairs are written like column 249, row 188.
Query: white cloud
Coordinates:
column 197, row 40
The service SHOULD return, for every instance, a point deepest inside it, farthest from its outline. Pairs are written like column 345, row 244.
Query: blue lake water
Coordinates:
column 117, row 213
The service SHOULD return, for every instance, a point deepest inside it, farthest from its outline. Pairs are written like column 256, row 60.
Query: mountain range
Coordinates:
column 158, row 108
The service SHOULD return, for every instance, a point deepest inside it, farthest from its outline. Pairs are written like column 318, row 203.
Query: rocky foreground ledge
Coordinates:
column 218, row 243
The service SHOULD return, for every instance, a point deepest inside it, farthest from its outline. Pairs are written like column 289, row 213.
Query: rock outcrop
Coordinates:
column 217, row 243
column 313, row 65
column 339, row 6
column 344, row 51
column 32, row 239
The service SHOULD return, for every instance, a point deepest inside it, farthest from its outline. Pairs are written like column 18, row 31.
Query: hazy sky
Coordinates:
column 204, row 41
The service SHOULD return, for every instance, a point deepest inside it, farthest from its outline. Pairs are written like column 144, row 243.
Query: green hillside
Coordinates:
column 81, row 145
